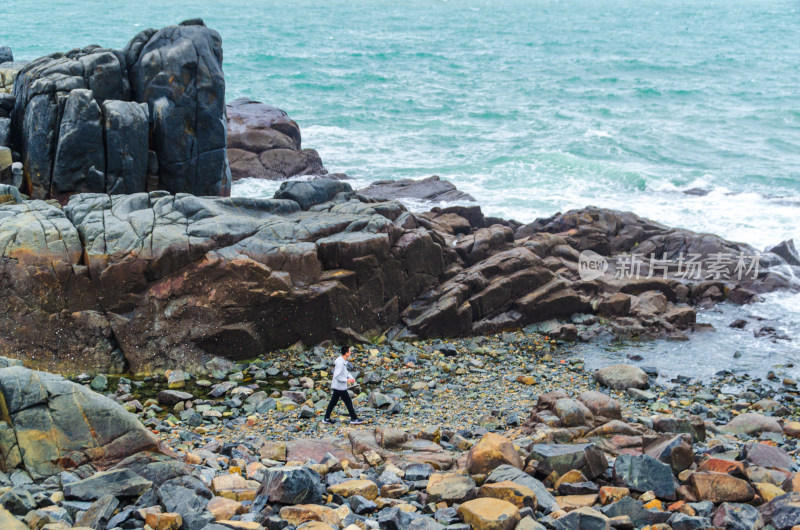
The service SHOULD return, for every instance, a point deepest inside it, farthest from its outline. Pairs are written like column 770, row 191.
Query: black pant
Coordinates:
column 344, row 396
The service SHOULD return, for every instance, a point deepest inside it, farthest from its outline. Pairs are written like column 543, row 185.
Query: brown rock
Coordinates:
column 720, row 487
column 489, row 514
column 573, row 502
column 609, row 494
column 719, row 465
column 601, row 404
column 223, row 509
column 518, row 495
column 164, row 521
column 491, row 451
column 365, row 488
column 303, row 513
column 768, row 491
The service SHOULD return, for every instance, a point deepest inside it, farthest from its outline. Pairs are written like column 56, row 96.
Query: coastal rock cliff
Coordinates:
column 151, row 281
column 148, row 117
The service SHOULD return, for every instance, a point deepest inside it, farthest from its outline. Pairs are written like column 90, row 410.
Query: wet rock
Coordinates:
column 491, row 451
column 645, row 473
column 622, row 376
column 193, row 163
column 428, row 189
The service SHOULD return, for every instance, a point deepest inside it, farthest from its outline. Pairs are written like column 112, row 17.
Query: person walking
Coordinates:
column 341, row 378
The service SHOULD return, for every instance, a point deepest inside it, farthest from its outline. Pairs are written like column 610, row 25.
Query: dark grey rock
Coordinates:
column 639, row 515
column 645, row 473
column 188, row 503
column 782, row 512
column 126, row 141
column 6, row 56
column 18, row 500
column 188, row 113
column 681, row 521
column 119, row 483
column 292, row 485
column 311, row 193
column 587, row 458
column 170, row 398
column 99, row 513
column 582, row 520
column 431, row 189
column 734, row 516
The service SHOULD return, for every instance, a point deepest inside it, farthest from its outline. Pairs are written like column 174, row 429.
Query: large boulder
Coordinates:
column 263, row 142
column 178, row 73
column 51, row 424
column 79, row 126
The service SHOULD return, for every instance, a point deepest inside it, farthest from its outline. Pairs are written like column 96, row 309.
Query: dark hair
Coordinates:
column 345, row 349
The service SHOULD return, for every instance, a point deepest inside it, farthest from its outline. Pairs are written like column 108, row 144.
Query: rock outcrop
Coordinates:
column 153, row 280
column 264, row 143
column 148, row 117
column 50, row 424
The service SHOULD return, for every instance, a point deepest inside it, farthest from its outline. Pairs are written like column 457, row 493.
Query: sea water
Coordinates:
column 533, row 107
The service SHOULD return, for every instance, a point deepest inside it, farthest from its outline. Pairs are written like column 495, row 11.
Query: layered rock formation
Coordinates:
column 264, row 143
column 149, row 281
column 148, row 117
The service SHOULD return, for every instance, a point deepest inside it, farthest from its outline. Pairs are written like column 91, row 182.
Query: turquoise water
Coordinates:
column 531, row 106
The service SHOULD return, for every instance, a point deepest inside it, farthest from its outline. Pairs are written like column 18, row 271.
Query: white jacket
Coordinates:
column 340, row 374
